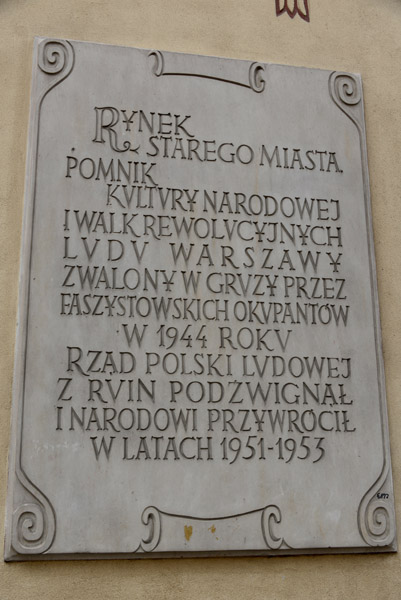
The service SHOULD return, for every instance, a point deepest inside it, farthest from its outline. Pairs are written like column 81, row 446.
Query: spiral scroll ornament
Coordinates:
column 271, row 516
column 159, row 62
column 53, row 56
column 151, row 518
column 256, row 81
column 376, row 516
column 34, row 527
column 346, row 88
column 346, row 92
column 56, row 59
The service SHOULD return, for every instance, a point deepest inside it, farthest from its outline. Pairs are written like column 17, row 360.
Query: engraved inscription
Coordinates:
column 234, row 388
column 201, row 364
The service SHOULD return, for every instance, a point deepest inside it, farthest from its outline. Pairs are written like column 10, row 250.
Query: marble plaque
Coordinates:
column 198, row 365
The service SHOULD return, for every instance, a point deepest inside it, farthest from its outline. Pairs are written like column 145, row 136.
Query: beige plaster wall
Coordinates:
column 352, row 35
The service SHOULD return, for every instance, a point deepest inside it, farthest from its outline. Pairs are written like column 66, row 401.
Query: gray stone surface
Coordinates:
column 198, row 363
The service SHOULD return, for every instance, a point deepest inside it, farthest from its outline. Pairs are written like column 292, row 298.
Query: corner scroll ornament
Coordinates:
column 33, row 521
column 208, row 534
column 55, row 59
column 376, row 517
column 252, row 79
column 345, row 91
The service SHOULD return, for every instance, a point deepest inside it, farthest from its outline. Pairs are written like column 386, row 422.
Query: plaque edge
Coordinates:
column 23, row 309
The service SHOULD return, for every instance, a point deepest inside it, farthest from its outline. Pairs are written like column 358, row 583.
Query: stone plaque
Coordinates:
column 198, row 365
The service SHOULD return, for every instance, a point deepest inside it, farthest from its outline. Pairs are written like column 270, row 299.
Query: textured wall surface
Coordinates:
column 351, row 35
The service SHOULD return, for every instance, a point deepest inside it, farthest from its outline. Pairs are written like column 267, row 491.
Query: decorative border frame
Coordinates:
column 33, row 522
column 32, row 525
column 376, row 518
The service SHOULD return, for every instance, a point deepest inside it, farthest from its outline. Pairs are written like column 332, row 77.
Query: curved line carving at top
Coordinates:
column 34, row 521
column 255, row 80
column 376, row 520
